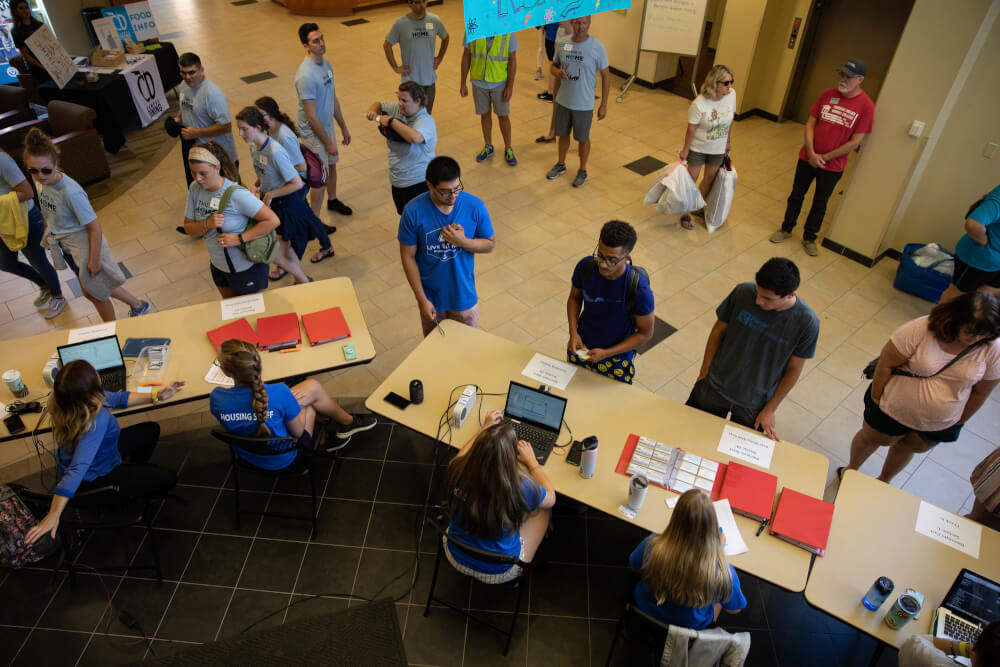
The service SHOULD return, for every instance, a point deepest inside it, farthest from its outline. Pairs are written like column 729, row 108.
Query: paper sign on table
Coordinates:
column 549, row 371
column 672, row 501
column 746, row 446
column 216, row 376
column 727, row 522
column 947, row 528
column 107, row 34
column 90, row 333
column 241, row 306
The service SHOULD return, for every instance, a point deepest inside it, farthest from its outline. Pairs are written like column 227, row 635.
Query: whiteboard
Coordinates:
column 673, row 26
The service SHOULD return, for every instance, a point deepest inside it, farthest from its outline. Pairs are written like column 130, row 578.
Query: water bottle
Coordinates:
column 878, row 593
column 588, row 457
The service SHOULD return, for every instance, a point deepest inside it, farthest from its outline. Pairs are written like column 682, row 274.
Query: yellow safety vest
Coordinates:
column 490, row 66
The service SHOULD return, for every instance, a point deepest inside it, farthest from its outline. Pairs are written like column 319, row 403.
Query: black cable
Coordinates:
column 305, row 599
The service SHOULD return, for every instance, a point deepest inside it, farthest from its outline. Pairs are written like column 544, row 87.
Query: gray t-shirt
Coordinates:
column 511, row 47
column 315, row 82
column 757, row 346
column 11, row 175
column 242, row 206
column 272, row 165
column 204, row 106
column 416, row 39
column 65, row 206
column 408, row 162
column 290, row 143
column 582, row 61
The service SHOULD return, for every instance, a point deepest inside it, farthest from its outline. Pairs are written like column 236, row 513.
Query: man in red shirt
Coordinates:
column 838, row 121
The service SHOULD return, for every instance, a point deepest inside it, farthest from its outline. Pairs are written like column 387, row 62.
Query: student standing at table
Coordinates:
column 225, row 226
column 617, row 305
column 73, row 224
column 204, row 113
column 417, row 33
column 757, row 348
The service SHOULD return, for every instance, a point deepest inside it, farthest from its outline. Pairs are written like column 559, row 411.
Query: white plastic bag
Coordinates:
column 681, row 194
column 720, row 198
column 656, row 188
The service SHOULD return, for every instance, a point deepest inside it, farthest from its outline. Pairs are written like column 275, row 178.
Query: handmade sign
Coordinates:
column 487, row 18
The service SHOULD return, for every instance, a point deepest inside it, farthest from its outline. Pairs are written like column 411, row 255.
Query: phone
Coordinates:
column 573, row 458
column 349, row 353
column 13, row 424
column 397, row 401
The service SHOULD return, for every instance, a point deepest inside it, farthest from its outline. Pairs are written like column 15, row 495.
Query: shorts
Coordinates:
column 696, row 159
column 886, row 425
column 484, row 98
column 316, row 146
column 110, row 277
column 469, row 318
column 968, row 278
column 619, row 368
column 499, row 578
column 402, row 196
column 580, row 121
column 250, row 281
column 550, row 49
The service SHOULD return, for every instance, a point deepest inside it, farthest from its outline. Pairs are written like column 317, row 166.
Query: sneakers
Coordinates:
column 581, row 178
column 810, row 247
column 508, row 155
column 55, row 306
column 330, row 229
column 338, row 206
column 180, row 230
column 545, row 97
column 487, row 152
column 538, row 74
column 141, row 310
column 44, row 294
column 780, row 236
column 556, row 171
column 359, row 423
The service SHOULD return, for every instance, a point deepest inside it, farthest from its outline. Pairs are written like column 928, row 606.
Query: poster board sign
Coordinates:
column 8, row 73
column 107, row 34
column 134, row 21
column 673, row 26
column 52, row 55
column 487, row 18
column 146, row 87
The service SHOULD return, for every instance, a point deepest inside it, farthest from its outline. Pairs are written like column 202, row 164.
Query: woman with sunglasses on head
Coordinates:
column 710, row 121
column 72, row 224
column 92, row 447
column 226, row 228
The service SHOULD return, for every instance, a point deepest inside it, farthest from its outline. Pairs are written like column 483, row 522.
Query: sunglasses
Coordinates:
column 44, row 170
column 727, row 83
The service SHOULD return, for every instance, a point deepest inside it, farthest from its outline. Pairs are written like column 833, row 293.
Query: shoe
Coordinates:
column 321, row 255
column 277, row 276
column 545, row 97
column 359, row 423
column 780, row 236
column 44, row 294
column 810, row 247
column 556, row 171
column 840, row 473
column 330, row 229
column 581, row 178
column 338, row 206
column 141, row 310
column 686, row 221
column 335, row 446
column 509, row 156
column 55, row 306
column 487, row 152
column 180, row 230
column 544, row 140
column 538, row 74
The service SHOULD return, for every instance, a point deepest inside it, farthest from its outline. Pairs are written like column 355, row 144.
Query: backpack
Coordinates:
column 633, row 282
column 259, row 251
column 16, row 519
column 316, row 171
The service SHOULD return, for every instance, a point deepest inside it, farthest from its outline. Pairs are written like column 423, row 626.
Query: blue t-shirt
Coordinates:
column 416, row 39
column 65, row 206
column 983, row 257
column 11, row 175
column 96, row 454
column 284, row 136
column 272, row 165
column 447, row 272
column 582, row 61
column 508, row 544
column 204, row 106
column 605, row 321
column 314, row 81
column 695, row 618
column 242, row 206
column 511, row 48
column 233, row 407
column 408, row 162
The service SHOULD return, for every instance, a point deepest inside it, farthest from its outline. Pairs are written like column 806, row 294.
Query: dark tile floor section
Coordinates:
column 259, row 76
column 662, row 330
column 645, row 165
column 371, row 543
column 355, row 22
column 172, row 35
column 240, row 3
column 74, row 283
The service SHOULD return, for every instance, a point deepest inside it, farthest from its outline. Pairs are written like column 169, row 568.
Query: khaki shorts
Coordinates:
column 484, row 98
column 316, row 146
column 77, row 244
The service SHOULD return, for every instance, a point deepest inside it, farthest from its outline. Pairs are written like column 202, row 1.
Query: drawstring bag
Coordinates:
column 316, row 170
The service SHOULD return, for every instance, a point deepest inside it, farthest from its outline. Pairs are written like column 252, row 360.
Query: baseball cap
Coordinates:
column 855, row 67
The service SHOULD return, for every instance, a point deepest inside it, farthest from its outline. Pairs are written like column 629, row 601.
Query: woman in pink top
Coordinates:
column 912, row 414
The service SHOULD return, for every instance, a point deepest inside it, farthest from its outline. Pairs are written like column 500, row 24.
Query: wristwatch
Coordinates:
column 156, row 397
column 240, row 235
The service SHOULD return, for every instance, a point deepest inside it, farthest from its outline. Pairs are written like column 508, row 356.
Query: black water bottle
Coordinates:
column 416, row 392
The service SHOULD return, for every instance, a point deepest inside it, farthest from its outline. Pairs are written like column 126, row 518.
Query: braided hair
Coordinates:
column 270, row 106
column 240, row 361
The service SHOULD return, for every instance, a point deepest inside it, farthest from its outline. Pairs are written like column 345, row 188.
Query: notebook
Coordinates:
column 239, row 329
column 803, row 520
column 750, row 491
column 325, row 326
column 536, row 415
column 103, row 354
column 278, row 332
column 972, row 602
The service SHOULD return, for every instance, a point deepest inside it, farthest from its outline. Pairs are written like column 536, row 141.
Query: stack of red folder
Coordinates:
column 278, row 332
column 750, row 491
column 325, row 326
column 803, row 520
column 239, row 329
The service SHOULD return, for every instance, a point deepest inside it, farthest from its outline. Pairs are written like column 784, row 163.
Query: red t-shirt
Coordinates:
column 837, row 120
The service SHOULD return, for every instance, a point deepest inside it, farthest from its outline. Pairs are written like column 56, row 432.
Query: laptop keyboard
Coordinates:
column 112, row 381
column 540, row 439
column 960, row 630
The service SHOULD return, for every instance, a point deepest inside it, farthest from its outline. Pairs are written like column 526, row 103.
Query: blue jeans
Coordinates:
column 39, row 271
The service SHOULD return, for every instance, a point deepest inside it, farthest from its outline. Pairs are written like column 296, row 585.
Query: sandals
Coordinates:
column 321, row 255
column 281, row 274
column 686, row 221
column 544, row 140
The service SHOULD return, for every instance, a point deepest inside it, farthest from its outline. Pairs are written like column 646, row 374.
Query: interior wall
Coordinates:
column 67, row 23
column 738, row 39
column 773, row 62
column 620, row 35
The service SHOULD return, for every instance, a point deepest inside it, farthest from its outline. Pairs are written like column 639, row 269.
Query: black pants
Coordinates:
column 825, row 182
column 402, row 196
column 136, row 477
column 706, row 399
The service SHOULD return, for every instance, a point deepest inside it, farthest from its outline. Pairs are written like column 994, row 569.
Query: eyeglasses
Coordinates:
column 727, row 83
column 186, row 73
column 450, row 193
column 44, row 170
column 610, row 261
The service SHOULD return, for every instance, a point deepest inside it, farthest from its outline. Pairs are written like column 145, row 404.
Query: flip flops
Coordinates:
column 544, row 140
column 323, row 254
column 281, row 274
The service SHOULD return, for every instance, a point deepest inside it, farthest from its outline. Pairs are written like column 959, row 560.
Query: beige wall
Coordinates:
column 773, row 62
column 620, row 34
column 66, row 22
column 738, row 41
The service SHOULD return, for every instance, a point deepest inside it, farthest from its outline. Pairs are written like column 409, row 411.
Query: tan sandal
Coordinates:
column 686, row 221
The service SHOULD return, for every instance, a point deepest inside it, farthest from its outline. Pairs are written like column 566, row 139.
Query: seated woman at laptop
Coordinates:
column 927, row 651
column 496, row 506
column 92, row 447
column 686, row 580
column 253, row 409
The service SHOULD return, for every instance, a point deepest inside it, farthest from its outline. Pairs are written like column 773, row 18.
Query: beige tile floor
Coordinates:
column 542, row 229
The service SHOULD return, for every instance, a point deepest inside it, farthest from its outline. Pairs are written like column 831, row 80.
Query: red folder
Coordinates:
column 278, row 331
column 803, row 520
column 750, row 491
column 325, row 326
column 239, row 329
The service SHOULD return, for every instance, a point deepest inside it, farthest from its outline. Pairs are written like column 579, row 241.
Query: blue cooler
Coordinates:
column 920, row 281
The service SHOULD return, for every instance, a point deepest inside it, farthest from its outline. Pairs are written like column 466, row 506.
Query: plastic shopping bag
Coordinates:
column 656, row 188
column 720, row 197
column 680, row 193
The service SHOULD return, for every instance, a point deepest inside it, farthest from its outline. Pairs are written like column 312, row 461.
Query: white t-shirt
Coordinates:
column 713, row 120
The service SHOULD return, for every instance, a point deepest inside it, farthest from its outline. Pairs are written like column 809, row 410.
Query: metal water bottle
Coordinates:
column 588, row 457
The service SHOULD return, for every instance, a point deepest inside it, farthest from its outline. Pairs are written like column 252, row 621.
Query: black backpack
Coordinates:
column 633, row 282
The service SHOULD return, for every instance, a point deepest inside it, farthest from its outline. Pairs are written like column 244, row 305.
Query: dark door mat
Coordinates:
column 661, row 331
column 356, row 21
column 259, row 76
column 645, row 165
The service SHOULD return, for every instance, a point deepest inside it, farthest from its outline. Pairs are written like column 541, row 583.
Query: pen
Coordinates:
column 291, row 349
column 150, row 384
column 763, row 524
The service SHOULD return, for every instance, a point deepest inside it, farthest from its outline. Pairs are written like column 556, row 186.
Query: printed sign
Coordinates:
column 488, row 18
column 146, row 87
column 107, row 34
column 947, row 528
column 746, row 446
column 8, row 73
column 52, row 55
column 134, row 22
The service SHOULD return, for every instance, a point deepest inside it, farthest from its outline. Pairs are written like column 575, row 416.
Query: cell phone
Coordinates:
column 349, row 353
column 573, row 458
column 397, row 401
column 13, row 424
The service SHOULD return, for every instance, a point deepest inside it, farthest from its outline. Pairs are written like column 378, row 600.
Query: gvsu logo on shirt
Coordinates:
column 437, row 247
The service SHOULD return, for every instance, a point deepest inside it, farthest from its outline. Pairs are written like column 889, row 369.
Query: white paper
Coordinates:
column 746, row 446
column 549, row 371
column 90, row 333
column 143, row 79
column 216, row 376
column 107, row 34
column 241, row 306
column 627, row 512
column 671, row 501
column 947, row 528
column 727, row 522
column 52, row 55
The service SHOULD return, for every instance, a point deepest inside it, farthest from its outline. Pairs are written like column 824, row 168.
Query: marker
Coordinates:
column 151, row 384
column 763, row 524
column 291, row 349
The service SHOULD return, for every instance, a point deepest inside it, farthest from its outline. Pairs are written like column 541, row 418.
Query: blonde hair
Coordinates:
column 76, row 399
column 38, row 144
column 240, row 361
column 686, row 564
column 226, row 165
column 713, row 78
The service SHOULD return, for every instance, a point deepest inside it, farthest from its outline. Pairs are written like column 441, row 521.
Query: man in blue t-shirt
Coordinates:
column 439, row 234
column 617, row 305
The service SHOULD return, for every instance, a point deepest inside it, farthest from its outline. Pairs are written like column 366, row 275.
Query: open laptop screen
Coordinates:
column 975, row 597
column 532, row 405
column 102, row 353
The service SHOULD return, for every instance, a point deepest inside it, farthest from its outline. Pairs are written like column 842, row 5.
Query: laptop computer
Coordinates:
column 104, row 354
column 537, row 416
column 972, row 602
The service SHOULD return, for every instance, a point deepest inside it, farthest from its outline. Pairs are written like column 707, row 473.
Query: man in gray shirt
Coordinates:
column 756, row 350
column 415, row 33
column 576, row 62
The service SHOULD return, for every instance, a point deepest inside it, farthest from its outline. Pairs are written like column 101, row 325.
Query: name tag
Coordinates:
column 213, row 203
column 428, row 26
column 567, row 47
column 834, row 100
column 263, row 160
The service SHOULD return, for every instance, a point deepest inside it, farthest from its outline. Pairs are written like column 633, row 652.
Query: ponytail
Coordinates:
column 38, row 144
column 240, row 361
column 269, row 106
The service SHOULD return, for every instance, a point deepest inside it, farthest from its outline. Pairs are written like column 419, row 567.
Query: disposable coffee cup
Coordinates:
column 14, row 383
column 905, row 607
column 637, row 491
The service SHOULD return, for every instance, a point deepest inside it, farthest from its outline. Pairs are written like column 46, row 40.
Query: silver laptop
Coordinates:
column 104, row 354
column 972, row 602
column 537, row 415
